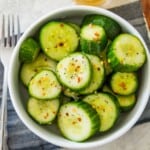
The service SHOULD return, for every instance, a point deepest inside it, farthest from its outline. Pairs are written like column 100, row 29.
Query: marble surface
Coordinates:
column 29, row 11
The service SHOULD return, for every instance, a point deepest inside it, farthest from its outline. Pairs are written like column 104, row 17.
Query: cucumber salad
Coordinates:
column 81, row 77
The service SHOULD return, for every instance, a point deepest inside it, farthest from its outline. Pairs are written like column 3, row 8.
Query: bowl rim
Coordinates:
column 71, row 144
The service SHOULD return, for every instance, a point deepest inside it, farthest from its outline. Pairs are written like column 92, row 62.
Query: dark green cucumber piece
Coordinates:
column 98, row 75
column 29, row 50
column 107, row 107
column 124, row 83
column 78, row 121
column 93, row 39
column 111, row 27
column 74, row 71
column 103, row 57
column 58, row 39
column 42, row 62
column 43, row 112
column 44, row 85
column 126, row 53
column 126, row 103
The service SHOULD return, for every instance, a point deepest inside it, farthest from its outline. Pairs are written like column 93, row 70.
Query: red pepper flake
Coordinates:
column 74, row 122
column 77, row 68
column 35, row 70
column 79, row 119
column 79, row 79
column 61, row 44
column 67, row 114
column 62, row 25
column 98, row 69
column 72, row 64
column 96, row 34
column 40, row 81
column 123, row 85
column 46, row 115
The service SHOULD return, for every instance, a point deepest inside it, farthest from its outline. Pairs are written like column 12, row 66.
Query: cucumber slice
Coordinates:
column 29, row 50
column 28, row 70
column 74, row 71
column 43, row 112
column 44, row 85
column 107, row 107
column 126, row 53
column 124, row 83
column 70, row 93
column 93, row 39
column 103, row 57
column 98, row 75
column 126, row 103
column 78, row 121
column 111, row 27
column 58, row 39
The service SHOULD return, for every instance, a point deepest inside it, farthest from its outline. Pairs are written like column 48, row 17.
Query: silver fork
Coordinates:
column 7, row 44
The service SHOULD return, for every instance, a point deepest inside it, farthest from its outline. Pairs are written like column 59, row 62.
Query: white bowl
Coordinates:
column 51, row 133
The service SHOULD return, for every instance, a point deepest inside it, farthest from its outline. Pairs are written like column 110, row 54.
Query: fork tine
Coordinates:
column 3, row 31
column 8, row 38
column 8, row 34
column 18, row 27
column 13, row 33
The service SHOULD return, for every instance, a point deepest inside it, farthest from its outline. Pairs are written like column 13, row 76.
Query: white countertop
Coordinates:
column 31, row 10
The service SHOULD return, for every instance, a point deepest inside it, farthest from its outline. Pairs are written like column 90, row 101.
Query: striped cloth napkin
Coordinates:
column 21, row 138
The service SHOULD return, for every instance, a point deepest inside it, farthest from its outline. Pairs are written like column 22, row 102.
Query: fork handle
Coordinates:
column 4, row 145
column 3, row 117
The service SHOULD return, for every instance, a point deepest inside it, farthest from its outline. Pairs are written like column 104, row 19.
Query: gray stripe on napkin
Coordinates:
column 20, row 138
column 129, row 11
column 135, row 18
